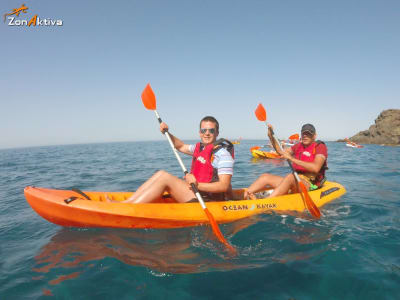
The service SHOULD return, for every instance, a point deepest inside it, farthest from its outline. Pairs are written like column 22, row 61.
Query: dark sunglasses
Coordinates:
column 307, row 133
column 210, row 130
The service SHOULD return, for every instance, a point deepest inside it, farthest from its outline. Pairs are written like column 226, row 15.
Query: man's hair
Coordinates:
column 210, row 119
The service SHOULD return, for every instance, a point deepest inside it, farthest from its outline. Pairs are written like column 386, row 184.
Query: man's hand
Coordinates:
column 191, row 179
column 287, row 155
column 163, row 127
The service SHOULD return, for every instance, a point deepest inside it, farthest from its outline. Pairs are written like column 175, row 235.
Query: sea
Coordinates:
column 352, row 252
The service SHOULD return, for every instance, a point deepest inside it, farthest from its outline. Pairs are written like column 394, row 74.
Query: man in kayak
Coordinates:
column 212, row 169
column 309, row 159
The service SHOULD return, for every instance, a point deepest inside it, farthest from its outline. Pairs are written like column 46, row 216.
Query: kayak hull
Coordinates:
column 97, row 212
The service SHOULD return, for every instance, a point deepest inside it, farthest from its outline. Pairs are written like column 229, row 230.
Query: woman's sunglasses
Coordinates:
column 210, row 130
column 307, row 133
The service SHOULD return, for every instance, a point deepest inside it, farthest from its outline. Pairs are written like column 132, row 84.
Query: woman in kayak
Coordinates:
column 309, row 159
column 212, row 169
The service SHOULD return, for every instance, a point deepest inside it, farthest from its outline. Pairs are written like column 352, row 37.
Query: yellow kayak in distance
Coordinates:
column 51, row 204
column 256, row 153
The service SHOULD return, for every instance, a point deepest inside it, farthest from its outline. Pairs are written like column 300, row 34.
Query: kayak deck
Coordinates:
column 97, row 212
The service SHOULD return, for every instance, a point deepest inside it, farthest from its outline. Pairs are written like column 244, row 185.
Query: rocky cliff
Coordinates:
column 386, row 130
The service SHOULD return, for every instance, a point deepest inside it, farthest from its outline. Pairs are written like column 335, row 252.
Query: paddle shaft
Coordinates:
column 194, row 188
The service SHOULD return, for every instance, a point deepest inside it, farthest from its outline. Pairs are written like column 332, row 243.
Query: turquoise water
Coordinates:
column 352, row 252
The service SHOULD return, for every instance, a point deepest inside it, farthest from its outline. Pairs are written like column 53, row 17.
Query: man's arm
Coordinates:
column 275, row 144
column 178, row 144
column 313, row 167
column 222, row 185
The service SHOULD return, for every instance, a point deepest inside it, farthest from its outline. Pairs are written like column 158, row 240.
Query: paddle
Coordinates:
column 149, row 101
column 261, row 115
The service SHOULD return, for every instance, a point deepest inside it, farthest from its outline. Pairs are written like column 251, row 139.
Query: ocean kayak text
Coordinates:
column 245, row 207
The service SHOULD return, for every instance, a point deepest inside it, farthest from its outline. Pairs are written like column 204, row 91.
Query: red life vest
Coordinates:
column 203, row 156
column 307, row 154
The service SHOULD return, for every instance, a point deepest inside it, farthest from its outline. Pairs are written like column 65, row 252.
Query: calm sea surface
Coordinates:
column 352, row 252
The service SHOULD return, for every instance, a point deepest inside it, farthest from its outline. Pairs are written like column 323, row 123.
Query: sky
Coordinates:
column 334, row 64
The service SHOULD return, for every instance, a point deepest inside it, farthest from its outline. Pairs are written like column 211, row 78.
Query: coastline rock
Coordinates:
column 386, row 130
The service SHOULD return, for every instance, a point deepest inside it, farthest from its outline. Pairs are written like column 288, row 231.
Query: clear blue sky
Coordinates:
column 331, row 63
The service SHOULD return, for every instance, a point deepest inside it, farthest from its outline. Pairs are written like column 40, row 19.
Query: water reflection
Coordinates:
column 272, row 161
column 260, row 240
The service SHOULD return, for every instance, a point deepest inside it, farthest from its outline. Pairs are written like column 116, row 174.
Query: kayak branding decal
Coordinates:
column 266, row 205
column 235, row 207
column 252, row 207
column 33, row 21
column 327, row 192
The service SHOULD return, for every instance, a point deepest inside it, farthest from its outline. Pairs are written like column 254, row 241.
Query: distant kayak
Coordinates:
column 287, row 144
column 52, row 205
column 351, row 144
column 256, row 153
column 354, row 145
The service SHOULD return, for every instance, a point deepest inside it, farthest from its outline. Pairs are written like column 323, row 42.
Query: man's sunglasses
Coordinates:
column 210, row 130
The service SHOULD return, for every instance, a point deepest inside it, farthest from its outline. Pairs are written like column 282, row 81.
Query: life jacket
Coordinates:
column 307, row 154
column 203, row 157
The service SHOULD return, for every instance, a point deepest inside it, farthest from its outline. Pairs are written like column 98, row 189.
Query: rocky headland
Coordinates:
column 385, row 131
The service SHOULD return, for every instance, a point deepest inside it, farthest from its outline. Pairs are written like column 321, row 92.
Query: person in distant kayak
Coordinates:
column 211, row 172
column 309, row 159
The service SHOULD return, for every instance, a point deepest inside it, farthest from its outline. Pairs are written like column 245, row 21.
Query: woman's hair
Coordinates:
column 210, row 119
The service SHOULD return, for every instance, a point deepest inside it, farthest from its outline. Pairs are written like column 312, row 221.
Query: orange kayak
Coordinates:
column 96, row 212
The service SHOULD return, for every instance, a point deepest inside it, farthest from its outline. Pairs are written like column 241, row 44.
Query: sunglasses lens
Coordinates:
column 210, row 130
